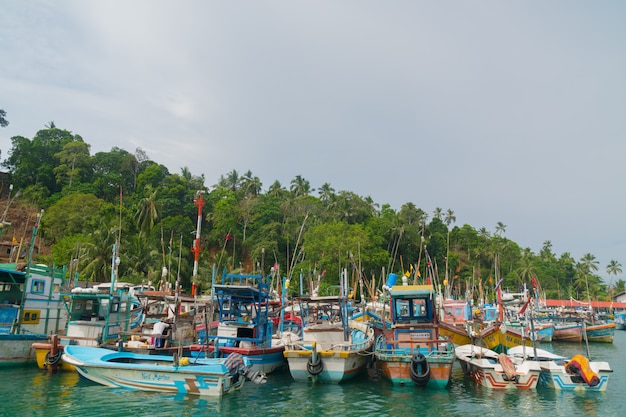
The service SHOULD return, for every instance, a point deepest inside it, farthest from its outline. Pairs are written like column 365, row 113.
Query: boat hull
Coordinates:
column 500, row 338
column 485, row 368
column 263, row 360
column 602, row 333
column 206, row 377
column 554, row 375
column 337, row 366
column 16, row 349
column 568, row 333
column 454, row 333
column 397, row 368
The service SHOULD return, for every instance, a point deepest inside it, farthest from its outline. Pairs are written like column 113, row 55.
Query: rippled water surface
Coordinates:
column 27, row 391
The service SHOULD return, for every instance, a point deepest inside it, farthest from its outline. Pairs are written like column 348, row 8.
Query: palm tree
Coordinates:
column 500, row 228
column 449, row 218
column 326, row 192
column 3, row 121
column 231, row 181
column 526, row 271
column 300, row 186
column 613, row 268
column 589, row 262
column 546, row 251
column 99, row 251
column 275, row 189
column 148, row 211
column 438, row 213
column 251, row 184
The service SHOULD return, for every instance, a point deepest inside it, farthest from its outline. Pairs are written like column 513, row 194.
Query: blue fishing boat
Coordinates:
column 244, row 326
column 162, row 373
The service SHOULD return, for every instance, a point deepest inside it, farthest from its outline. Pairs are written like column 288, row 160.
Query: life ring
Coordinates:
column 420, row 370
column 52, row 360
column 315, row 368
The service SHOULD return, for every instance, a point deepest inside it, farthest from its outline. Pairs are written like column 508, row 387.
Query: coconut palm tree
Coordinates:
column 500, row 228
column 250, row 184
column 300, row 186
column 275, row 189
column 326, row 192
column 590, row 263
column 612, row 269
column 148, row 211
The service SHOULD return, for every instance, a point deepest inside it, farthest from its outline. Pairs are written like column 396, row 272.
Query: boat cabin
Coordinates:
column 412, row 304
column 243, row 311
column 414, row 326
column 30, row 299
column 97, row 317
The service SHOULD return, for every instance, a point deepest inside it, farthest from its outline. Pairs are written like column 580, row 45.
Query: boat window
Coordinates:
column 30, row 317
column 38, row 286
column 402, row 308
column 412, row 310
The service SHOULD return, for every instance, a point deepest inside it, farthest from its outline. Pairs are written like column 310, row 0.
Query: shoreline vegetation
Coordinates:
column 294, row 230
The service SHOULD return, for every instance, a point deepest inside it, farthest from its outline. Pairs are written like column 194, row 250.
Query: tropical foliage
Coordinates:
column 92, row 202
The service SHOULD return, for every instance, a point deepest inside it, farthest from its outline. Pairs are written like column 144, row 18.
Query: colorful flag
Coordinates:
column 523, row 309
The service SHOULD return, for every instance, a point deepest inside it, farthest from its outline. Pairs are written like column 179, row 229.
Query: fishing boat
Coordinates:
column 162, row 373
column 545, row 332
column 497, row 371
column 456, row 322
column 334, row 348
column 31, row 309
column 456, row 334
column 600, row 331
column 30, row 306
column 575, row 374
column 95, row 316
column 620, row 320
column 412, row 350
column 500, row 337
column 244, row 325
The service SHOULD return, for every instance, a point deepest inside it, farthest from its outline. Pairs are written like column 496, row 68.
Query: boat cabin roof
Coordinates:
column 11, row 275
column 241, row 292
column 407, row 291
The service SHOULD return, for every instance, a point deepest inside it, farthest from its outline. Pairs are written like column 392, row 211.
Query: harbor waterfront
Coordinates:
column 29, row 391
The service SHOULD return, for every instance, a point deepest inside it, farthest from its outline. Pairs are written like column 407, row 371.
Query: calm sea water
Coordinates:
column 28, row 391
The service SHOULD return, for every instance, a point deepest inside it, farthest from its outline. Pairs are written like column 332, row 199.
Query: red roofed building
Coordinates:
column 596, row 305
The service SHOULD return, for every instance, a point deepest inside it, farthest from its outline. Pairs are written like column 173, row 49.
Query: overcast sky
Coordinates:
column 502, row 111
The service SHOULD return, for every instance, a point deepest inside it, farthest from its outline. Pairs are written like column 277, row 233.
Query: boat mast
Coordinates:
column 198, row 201
column 29, row 260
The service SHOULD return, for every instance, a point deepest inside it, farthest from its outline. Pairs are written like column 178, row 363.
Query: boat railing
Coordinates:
column 438, row 347
column 224, row 340
column 337, row 347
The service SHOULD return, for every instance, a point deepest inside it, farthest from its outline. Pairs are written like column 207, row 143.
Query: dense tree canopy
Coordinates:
column 94, row 201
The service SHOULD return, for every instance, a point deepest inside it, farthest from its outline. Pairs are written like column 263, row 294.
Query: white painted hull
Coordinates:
column 337, row 366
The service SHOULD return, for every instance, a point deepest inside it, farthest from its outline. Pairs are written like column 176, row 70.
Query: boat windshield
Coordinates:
column 412, row 310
